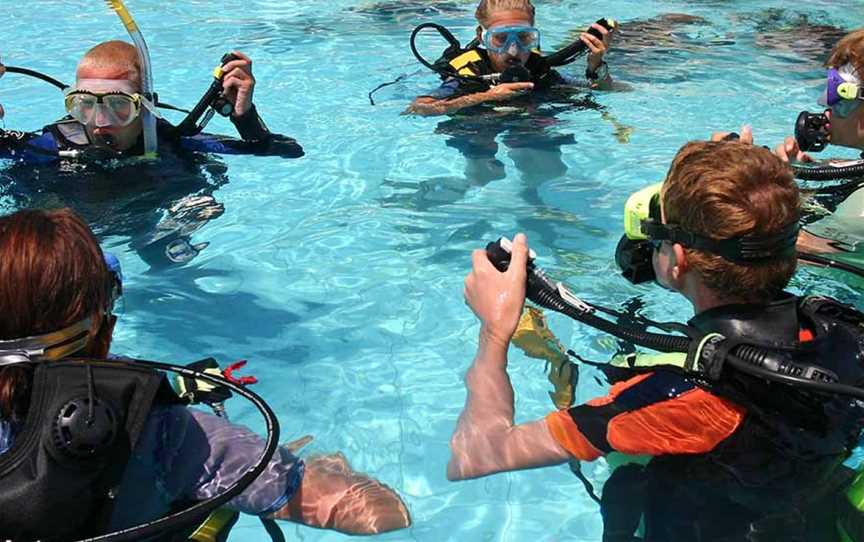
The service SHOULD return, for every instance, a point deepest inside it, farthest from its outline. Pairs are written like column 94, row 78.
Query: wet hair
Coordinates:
column 52, row 275
column 849, row 50
column 730, row 189
column 487, row 7
column 119, row 57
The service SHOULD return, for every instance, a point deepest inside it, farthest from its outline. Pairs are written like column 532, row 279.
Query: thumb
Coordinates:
column 747, row 134
column 519, row 258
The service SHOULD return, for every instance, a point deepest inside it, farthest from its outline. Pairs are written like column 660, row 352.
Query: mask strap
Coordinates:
column 51, row 346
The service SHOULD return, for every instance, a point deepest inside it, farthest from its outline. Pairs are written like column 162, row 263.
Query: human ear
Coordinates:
column 680, row 266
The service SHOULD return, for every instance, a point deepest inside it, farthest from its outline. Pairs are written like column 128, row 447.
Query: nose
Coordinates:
column 513, row 50
column 101, row 117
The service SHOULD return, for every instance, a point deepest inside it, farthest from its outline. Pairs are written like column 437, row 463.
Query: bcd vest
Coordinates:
column 475, row 62
column 777, row 476
column 58, row 480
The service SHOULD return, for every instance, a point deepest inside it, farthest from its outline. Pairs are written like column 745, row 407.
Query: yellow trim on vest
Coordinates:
column 641, row 361
column 213, row 526
column 460, row 63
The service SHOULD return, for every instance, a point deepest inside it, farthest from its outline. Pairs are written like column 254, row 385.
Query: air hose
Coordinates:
column 712, row 355
column 199, row 511
column 852, row 170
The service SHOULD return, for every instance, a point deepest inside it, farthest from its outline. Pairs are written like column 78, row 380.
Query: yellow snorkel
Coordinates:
column 147, row 117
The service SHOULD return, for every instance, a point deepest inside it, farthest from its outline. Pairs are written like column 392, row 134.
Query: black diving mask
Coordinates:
column 644, row 232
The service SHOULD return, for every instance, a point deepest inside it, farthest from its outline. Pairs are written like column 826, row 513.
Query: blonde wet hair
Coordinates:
column 118, row 56
column 488, row 7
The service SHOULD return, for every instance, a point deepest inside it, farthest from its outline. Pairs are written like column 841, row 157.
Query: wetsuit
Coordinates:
column 745, row 461
column 68, row 136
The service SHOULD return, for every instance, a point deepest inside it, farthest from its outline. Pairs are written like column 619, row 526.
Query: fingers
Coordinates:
column 607, row 34
column 519, row 258
column 242, row 56
column 746, row 134
column 719, row 136
column 517, row 86
column 594, row 44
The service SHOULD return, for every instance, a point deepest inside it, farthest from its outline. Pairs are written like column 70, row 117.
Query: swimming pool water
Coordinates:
column 339, row 275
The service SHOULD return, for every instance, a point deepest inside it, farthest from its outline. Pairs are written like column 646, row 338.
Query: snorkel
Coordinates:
column 148, row 119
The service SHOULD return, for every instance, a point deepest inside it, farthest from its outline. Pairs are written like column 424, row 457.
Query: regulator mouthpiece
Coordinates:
column 515, row 74
column 812, row 131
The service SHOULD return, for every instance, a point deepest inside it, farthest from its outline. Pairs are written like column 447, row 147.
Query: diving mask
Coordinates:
column 105, row 102
column 503, row 38
column 644, row 232
column 844, row 91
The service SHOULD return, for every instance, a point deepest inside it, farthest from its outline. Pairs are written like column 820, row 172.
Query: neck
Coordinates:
column 703, row 298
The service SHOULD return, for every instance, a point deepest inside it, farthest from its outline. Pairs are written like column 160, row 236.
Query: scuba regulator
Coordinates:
column 710, row 355
column 213, row 101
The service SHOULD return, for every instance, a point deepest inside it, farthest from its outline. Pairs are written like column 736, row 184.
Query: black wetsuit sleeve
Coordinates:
column 256, row 139
column 28, row 147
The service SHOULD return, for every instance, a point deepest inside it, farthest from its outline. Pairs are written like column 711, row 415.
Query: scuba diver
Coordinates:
column 112, row 124
column 108, row 103
column 840, row 124
column 92, row 444
column 491, row 83
column 510, row 45
column 745, row 416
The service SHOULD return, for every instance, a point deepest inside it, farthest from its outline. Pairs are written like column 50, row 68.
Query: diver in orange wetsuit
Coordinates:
column 739, row 459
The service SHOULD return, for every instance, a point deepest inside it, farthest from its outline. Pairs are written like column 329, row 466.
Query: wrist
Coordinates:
column 493, row 340
column 597, row 73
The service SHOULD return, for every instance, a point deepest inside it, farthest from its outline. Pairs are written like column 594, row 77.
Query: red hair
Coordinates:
column 52, row 275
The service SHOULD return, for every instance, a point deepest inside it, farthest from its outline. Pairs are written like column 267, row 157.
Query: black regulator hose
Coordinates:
column 829, row 173
column 746, row 358
column 578, row 48
column 33, row 73
column 199, row 511
column 542, row 292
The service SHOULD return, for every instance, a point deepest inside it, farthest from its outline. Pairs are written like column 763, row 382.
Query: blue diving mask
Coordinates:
column 502, row 39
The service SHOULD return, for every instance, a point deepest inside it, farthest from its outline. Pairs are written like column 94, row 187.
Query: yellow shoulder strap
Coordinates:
column 641, row 361
column 461, row 62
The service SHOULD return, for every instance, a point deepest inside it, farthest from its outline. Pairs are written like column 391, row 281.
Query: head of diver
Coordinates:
column 842, row 123
column 749, row 254
column 62, row 289
column 509, row 37
column 111, row 67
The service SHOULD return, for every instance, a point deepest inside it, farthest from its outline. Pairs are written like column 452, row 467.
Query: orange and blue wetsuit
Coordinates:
column 744, row 457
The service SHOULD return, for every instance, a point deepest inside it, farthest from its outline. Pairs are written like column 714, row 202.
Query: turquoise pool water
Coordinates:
column 339, row 275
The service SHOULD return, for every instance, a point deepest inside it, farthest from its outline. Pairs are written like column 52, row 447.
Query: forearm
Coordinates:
column 485, row 440
column 430, row 107
column 251, row 127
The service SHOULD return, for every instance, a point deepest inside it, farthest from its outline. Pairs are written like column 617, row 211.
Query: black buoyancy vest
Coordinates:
column 782, row 463
column 475, row 61
column 58, row 480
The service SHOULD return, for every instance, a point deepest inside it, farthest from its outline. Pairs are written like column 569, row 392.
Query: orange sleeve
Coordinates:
column 693, row 422
column 565, row 431
column 567, row 434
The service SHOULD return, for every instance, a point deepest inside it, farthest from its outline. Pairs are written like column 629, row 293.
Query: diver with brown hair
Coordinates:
column 91, row 445
column 736, row 448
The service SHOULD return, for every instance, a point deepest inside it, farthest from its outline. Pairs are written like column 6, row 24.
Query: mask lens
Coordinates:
column 527, row 39
column 499, row 40
column 81, row 107
column 121, row 107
